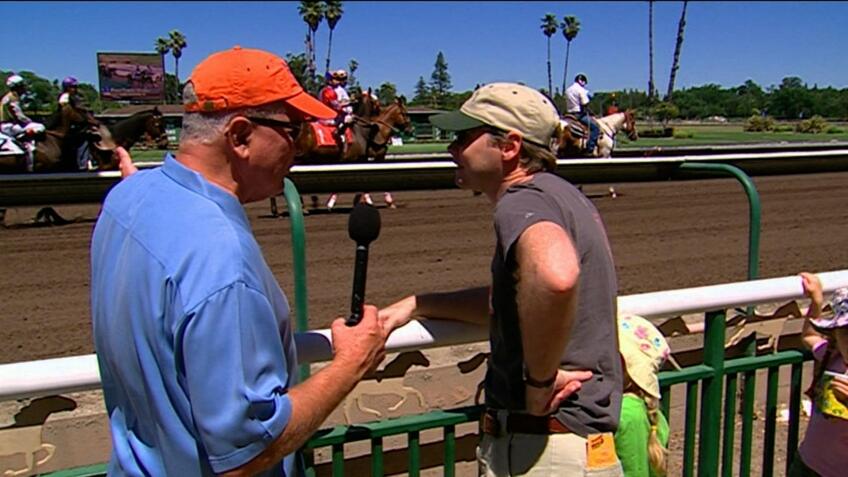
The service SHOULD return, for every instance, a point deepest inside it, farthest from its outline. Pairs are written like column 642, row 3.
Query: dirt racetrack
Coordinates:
column 664, row 235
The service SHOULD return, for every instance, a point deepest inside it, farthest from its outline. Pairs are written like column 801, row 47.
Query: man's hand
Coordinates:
column 840, row 389
column 542, row 402
column 398, row 314
column 812, row 288
column 363, row 346
column 125, row 163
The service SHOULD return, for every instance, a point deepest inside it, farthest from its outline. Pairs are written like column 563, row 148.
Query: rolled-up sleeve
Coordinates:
column 236, row 375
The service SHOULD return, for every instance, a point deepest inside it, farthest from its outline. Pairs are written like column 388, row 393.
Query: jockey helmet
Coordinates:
column 340, row 75
column 581, row 77
column 14, row 81
column 69, row 82
column 328, row 75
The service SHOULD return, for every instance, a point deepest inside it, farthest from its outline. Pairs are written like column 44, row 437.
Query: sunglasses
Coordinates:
column 291, row 128
column 464, row 138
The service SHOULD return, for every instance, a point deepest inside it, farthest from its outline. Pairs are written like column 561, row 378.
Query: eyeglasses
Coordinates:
column 465, row 138
column 291, row 128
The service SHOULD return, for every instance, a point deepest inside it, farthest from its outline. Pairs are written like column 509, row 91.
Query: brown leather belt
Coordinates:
column 517, row 423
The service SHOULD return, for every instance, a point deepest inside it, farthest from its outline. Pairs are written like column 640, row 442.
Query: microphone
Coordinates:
column 363, row 226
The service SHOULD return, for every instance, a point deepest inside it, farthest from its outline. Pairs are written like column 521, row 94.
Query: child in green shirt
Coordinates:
column 642, row 437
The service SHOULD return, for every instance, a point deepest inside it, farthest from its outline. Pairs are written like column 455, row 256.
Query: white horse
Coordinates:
column 573, row 135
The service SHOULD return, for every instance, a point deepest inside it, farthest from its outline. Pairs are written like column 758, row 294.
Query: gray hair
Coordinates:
column 205, row 128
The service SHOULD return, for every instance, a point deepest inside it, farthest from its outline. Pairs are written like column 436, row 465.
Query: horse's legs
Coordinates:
column 390, row 201
column 331, row 202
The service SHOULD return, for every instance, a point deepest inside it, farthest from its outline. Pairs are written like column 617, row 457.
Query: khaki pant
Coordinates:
column 536, row 455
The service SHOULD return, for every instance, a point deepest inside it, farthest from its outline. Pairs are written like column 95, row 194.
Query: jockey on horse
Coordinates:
column 15, row 124
column 69, row 98
column 577, row 103
column 334, row 95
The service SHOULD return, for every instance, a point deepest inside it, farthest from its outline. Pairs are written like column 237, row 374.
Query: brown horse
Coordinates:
column 372, row 128
column 56, row 150
column 573, row 134
column 127, row 132
column 371, row 135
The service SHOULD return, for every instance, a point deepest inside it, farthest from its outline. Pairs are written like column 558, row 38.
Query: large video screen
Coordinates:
column 131, row 76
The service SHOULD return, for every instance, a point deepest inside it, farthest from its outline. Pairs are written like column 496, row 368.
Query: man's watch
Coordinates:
column 528, row 380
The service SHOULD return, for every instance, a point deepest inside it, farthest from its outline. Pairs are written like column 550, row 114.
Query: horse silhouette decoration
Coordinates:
column 25, row 435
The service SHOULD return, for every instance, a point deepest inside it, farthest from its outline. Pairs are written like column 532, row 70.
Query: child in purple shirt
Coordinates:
column 824, row 450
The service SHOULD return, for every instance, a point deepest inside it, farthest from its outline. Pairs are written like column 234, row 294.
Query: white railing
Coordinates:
column 78, row 373
column 81, row 187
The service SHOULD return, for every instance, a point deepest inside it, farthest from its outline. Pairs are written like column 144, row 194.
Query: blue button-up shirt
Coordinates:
column 191, row 329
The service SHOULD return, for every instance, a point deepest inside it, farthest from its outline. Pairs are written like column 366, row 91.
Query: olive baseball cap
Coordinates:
column 508, row 107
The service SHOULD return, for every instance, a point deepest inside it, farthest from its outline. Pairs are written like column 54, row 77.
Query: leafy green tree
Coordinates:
column 299, row 66
column 422, row 92
column 352, row 82
column 41, row 94
column 665, row 112
column 333, row 13
column 675, row 64
column 549, row 28
column 312, row 13
column 570, row 28
column 387, row 92
column 791, row 100
column 440, row 81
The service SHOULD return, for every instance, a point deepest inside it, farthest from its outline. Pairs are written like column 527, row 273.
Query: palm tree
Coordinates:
column 177, row 42
column 549, row 28
column 570, row 28
column 676, row 62
column 163, row 46
column 651, row 88
column 333, row 13
column 312, row 13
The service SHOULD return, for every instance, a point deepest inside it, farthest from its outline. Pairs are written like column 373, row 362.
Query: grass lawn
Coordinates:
column 700, row 135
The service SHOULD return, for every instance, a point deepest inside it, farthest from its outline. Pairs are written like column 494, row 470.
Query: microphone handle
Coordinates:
column 357, row 299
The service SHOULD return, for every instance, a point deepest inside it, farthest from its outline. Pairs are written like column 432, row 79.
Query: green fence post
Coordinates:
column 298, row 237
column 794, row 414
column 729, row 426
column 771, row 418
column 753, row 207
column 711, row 395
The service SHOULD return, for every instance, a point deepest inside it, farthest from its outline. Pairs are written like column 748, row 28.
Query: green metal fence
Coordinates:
column 713, row 448
column 717, row 380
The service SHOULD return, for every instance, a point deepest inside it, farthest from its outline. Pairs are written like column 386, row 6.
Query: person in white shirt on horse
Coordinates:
column 577, row 102
column 16, row 124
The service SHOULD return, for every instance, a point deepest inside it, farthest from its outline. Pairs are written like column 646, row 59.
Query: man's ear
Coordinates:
column 238, row 134
column 512, row 147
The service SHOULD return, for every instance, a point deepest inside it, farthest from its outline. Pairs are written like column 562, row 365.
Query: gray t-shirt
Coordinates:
column 593, row 344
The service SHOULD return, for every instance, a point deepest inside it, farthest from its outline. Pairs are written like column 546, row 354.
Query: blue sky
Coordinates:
column 725, row 42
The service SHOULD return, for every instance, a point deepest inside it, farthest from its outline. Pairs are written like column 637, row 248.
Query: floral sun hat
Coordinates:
column 644, row 349
column 839, row 304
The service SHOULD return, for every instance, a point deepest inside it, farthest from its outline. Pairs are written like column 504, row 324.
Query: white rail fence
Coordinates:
column 78, row 373
column 85, row 187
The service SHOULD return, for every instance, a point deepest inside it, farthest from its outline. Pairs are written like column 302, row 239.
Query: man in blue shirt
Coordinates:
column 191, row 329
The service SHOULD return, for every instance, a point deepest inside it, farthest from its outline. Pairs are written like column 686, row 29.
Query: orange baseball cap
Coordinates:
column 245, row 77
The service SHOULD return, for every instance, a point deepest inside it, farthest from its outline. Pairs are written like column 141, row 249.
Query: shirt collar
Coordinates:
column 195, row 182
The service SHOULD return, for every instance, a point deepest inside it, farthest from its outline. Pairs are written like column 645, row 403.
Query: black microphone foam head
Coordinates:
column 363, row 225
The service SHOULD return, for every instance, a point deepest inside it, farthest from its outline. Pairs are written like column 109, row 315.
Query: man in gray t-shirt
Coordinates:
column 554, row 382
